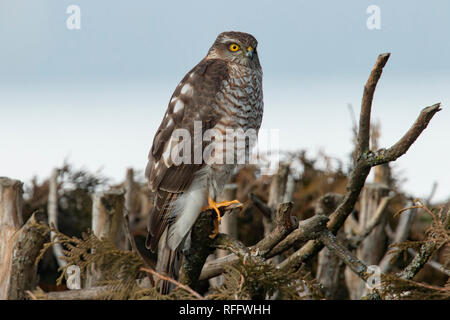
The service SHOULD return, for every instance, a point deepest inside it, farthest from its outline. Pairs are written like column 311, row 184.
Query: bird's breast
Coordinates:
column 240, row 102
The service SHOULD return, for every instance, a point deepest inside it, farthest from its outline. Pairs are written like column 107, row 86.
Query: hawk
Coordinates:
column 222, row 92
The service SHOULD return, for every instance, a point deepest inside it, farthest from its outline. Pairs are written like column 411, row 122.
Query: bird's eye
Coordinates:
column 233, row 47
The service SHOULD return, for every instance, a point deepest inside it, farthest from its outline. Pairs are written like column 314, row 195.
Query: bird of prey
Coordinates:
column 222, row 92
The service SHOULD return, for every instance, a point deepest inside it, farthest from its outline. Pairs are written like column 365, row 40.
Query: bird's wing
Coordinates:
column 191, row 101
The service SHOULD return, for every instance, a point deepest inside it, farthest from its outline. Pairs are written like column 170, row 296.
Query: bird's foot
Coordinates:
column 216, row 207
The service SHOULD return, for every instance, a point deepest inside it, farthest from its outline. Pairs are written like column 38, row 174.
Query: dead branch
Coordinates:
column 330, row 269
column 366, row 104
column 284, row 224
column 358, row 267
column 434, row 264
column 259, row 203
column 52, row 209
column 306, row 230
column 92, row 293
column 401, row 235
column 426, row 251
column 176, row 283
column 228, row 243
column 374, row 221
column 366, row 160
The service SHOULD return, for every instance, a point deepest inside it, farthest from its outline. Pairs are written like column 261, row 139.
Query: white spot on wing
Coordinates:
column 187, row 89
column 178, row 106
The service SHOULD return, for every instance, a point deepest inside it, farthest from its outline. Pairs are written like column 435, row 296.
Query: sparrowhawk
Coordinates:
column 222, row 92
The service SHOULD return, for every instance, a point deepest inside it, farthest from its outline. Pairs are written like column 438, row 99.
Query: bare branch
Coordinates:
column 434, row 264
column 92, row 293
column 426, row 251
column 264, row 208
column 307, row 230
column 366, row 104
column 343, row 253
column 285, row 224
column 400, row 148
column 374, row 221
column 226, row 242
column 178, row 284
column 365, row 160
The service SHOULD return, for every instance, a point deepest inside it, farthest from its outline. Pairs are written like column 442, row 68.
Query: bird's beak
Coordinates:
column 250, row 52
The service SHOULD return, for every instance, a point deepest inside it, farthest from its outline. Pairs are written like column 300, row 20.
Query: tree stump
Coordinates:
column 19, row 247
column 107, row 223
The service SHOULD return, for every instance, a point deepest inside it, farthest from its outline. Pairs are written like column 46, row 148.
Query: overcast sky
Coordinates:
column 97, row 95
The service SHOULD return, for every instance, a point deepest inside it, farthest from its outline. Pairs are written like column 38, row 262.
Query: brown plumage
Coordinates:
column 223, row 91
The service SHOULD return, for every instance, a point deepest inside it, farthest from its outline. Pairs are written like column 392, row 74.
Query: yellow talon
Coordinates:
column 216, row 205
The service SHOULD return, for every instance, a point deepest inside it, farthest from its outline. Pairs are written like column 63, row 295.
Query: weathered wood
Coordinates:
column 108, row 222
column 131, row 212
column 330, row 269
column 28, row 242
column 52, row 209
column 129, row 190
column 108, row 216
column 373, row 247
column 277, row 192
column 401, row 235
column 330, row 272
column 19, row 246
column 81, row 294
column 10, row 223
column 307, row 229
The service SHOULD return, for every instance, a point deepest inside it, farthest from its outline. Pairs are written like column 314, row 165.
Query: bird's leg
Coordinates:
column 215, row 206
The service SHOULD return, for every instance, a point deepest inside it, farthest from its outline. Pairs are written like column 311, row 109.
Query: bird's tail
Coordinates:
column 168, row 264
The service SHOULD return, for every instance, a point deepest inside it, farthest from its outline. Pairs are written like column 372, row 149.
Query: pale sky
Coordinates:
column 97, row 95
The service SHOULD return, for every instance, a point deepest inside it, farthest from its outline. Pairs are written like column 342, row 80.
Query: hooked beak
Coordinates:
column 250, row 52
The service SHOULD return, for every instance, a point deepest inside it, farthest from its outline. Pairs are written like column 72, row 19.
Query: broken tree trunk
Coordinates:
column 19, row 247
column 108, row 216
column 107, row 223
column 277, row 192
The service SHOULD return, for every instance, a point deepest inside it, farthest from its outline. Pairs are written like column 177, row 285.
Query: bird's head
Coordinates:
column 237, row 47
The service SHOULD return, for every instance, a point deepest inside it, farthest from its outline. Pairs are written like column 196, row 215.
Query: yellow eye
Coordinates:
column 233, row 47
